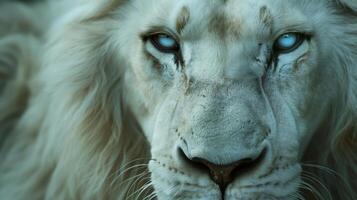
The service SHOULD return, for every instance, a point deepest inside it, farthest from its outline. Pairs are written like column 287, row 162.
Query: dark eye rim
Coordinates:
column 153, row 37
column 301, row 37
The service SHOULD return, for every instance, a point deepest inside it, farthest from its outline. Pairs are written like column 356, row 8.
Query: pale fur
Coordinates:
column 77, row 139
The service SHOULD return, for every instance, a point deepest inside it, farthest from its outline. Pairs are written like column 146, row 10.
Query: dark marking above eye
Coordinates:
column 266, row 17
column 182, row 19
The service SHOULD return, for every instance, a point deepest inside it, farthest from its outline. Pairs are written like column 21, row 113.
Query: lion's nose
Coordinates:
column 223, row 175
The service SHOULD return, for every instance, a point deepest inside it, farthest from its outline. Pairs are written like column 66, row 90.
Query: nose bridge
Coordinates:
column 236, row 104
column 210, row 57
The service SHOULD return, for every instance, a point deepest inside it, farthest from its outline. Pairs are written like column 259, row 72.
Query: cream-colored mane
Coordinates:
column 65, row 128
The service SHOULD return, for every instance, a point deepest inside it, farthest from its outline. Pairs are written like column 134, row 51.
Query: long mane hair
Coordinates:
column 76, row 138
column 330, row 162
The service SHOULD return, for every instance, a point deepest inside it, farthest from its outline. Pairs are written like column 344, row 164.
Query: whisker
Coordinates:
column 134, row 184
column 150, row 196
column 152, row 193
column 136, row 167
column 322, row 168
column 145, row 160
column 327, row 170
column 312, row 189
column 334, row 173
column 143, row 174
column 310, row 176
column 146, row 186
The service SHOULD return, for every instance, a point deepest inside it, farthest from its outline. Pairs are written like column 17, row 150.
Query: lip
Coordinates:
column 200, row 186
column 274, row 185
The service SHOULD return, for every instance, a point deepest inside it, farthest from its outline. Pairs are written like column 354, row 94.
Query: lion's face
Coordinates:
column 228, row 93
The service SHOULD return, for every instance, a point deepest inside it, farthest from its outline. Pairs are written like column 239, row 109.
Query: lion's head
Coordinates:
column 230, row 93
column 235, row 100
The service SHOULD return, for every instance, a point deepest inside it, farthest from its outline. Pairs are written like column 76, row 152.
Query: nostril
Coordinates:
column 191, row 162
column 249, row 164
column 223, row 175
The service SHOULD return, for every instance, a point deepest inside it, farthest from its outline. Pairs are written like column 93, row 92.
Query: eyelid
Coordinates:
column 297, row 27
column 160, row 30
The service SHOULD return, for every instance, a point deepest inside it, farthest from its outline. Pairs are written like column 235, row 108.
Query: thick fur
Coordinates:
column 66, row 131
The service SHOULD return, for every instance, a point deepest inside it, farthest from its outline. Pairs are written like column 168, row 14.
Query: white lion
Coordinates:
column 178, row 99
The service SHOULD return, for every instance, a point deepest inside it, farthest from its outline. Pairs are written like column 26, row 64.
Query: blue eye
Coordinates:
column 164, row 43
column 288, row 42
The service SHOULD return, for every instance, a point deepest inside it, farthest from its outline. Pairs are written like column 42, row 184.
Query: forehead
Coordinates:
column 231, row 17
